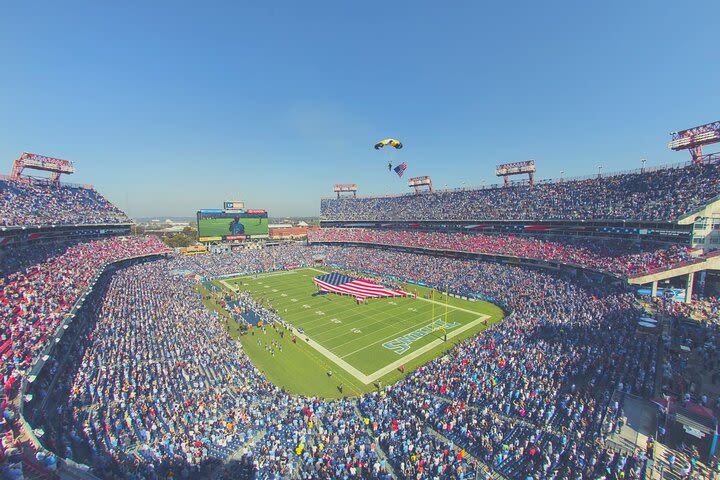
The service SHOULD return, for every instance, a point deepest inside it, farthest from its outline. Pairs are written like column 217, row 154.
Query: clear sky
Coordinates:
column 167, row 107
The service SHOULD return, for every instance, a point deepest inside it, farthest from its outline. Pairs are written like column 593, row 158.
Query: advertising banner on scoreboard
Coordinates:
column 232, row 225
column 235, row 205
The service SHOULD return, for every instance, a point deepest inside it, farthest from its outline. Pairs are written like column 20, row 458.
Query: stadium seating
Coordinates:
column 153, row 386
column 26, row 202
column 532, row 394
column 33, row 301
column 654, row 195
column 614, row 257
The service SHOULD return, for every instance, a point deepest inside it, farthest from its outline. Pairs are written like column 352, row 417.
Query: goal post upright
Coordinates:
column 447, row 299
column 432, row 300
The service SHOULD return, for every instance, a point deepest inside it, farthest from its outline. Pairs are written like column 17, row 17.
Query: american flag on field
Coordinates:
column 400, row 169
column 358, row 288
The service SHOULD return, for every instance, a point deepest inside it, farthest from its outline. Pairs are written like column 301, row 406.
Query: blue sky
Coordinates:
column 167, row 107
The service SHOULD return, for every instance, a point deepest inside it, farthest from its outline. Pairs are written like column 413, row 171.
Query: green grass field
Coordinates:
column 363, row 344
column 220, row 227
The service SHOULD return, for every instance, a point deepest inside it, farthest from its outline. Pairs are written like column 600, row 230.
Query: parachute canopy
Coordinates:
column 388, row 142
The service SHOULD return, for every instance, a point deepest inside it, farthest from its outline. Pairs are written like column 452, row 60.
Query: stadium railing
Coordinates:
column 46, row 181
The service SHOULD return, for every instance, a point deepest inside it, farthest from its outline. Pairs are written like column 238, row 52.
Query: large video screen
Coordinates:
column 218, row 224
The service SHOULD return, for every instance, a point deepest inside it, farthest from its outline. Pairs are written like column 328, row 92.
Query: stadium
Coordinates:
column 510, row 331
column 357, row 242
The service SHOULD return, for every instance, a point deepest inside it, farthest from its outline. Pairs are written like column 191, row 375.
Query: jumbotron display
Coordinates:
column 215, row 225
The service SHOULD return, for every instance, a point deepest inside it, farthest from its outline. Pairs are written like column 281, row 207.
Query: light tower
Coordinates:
column 419, row 182
column 40, row 162
column 345, row 188
column 518, row 168
column 694, row 138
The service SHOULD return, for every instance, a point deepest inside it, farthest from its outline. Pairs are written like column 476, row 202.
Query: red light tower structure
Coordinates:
column 418, row 182
column 517, row 168
column 345, row 188
column 694, row 138
column 40, row 162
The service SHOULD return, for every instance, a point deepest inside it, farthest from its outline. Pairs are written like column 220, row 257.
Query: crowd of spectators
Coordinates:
column 706, row 310
column 26, row 202
column 658, row 195
column 609, row 256
column 281, row 257
column 159, row 389
column 34, row 300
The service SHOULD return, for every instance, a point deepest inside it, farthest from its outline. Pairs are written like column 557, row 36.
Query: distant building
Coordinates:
column 288, row 232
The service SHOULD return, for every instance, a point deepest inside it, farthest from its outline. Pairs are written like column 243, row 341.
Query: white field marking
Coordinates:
column 267, row 286
column 316, row 270
column 274, row 290
column 451, row 306
column 392, row 336
column 384, row 325
column 283, row 294
column 392, row 303
column 311, row 321
column 412, row 309
column 335, row 320
column 276, row 274
column 356, row 330
column 368, row 322
column 420, row 298
column 293, row 299
column 306, row 306
column 319, row 312
column 367, row 379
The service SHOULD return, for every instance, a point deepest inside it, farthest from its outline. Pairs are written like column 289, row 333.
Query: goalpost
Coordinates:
column 432, row 298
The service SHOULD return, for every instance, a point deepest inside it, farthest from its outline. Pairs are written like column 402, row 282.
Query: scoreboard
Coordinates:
column 216, row 225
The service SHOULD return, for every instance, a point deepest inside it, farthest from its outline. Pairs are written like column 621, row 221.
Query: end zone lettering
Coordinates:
column 402, row 344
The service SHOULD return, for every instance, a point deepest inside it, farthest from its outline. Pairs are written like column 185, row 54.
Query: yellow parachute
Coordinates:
column 388, row 142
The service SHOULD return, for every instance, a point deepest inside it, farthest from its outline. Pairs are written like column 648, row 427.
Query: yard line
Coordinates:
column 388, row 325
column 366, row 379
column 384, row 314
column 399, row 334
column 400, row 315
column 449, row 306
column 425, row 348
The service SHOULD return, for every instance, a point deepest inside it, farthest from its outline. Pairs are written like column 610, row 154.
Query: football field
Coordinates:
column 362, row 344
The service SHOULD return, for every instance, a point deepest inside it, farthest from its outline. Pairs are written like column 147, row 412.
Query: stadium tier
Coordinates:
column 31, row 202
column 652, row 195
column 154, row 386
column 190, row 396
column 614, row 257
